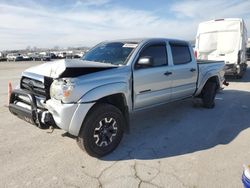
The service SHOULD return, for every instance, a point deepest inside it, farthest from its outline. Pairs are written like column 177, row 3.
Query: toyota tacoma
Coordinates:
column 93, row 97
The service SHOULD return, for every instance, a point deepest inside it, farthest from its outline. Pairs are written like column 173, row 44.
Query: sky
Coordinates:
column 75, row 23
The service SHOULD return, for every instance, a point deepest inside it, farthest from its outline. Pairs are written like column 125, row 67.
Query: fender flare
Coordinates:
column 94, row 95
column 206, row 77
column 103, row 91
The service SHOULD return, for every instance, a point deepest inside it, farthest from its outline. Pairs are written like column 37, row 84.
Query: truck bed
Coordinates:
column 202, row 61
column 206, row 69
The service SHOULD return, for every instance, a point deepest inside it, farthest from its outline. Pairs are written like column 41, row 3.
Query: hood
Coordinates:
column 69, row 68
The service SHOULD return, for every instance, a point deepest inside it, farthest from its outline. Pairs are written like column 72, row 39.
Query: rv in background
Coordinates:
column 223, row 39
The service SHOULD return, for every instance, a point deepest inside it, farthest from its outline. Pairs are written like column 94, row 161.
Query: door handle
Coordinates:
column 167, row 73
column 144, row 91
column 193, row 69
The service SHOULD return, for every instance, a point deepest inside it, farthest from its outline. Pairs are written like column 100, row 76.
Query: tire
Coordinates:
column 208, row 94
column 239, row 76
column 102, row 130
column 242, row 71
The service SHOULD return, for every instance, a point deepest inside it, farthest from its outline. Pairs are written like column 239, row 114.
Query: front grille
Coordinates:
column 36, row 87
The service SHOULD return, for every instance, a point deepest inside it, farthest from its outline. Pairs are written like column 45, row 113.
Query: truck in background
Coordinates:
column 223, row 39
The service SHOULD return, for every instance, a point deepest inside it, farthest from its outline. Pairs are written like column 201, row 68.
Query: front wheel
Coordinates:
column 241, row 71
column 102, row 130
column 208, row 94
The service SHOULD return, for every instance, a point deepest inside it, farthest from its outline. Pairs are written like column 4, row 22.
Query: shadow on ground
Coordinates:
column 178, row 128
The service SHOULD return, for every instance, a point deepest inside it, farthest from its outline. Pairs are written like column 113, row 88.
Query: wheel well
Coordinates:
column 213, row 79
column 119, row 101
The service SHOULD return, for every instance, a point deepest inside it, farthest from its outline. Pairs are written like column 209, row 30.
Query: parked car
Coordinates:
column 62, row 55
column 225, row 40
column 2, row 57
column 14, row 57
column 45, row 58
column 92, row 98
column 53, row 56
column 11, row 57
column 27, row 58
column 35, row 56
column 18, row 58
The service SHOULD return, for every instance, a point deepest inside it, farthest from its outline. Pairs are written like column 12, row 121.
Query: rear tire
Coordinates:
column 102, row 130
column 208, row 94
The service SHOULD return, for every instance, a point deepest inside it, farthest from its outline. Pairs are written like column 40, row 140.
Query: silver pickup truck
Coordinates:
column 92, row 98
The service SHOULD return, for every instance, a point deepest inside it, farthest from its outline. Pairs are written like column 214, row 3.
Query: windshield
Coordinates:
column 115, row 53
column 223, row 42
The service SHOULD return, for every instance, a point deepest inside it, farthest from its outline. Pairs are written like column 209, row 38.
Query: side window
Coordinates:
column 180, row 53
column 158, row 54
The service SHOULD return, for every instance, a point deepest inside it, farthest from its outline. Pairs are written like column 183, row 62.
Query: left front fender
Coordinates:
column 105, row 90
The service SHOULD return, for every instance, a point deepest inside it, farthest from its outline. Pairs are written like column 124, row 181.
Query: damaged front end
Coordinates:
column 48, row 95
column 27, row 102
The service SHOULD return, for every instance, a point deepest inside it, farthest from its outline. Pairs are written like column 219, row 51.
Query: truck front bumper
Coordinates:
column 231, row 69
column 24, row 105
column 234, row 69
column 68, row 117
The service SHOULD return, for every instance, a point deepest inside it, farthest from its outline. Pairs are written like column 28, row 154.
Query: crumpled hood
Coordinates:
column 68, row 68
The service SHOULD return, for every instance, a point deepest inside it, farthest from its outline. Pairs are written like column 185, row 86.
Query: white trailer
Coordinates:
column 223, row 39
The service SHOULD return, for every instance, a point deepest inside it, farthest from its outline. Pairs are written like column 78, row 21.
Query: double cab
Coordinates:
column 93, row 97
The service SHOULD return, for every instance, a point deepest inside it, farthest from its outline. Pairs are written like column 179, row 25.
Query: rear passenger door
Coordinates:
column 151, row 84
column 184, row 70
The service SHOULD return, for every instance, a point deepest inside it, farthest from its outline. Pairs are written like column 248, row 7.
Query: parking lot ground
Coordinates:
column 175, row 145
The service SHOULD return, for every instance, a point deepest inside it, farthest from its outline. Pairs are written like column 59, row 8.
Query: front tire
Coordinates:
column 243, row 68
column 208, row 94
column 102, row 130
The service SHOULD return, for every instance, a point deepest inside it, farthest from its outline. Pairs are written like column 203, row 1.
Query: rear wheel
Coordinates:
column 208, row 94
column 102, row 130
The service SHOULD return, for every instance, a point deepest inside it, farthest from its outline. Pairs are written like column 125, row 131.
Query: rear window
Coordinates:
column 180, row 53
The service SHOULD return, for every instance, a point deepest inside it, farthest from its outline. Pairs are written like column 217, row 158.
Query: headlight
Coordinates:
column 61, row 89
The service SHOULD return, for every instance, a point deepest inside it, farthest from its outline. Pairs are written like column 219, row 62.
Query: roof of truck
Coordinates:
column 139, row 40
column 223, row 19
column 232, row 24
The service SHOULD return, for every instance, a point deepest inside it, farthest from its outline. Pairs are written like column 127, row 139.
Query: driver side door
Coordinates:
column 152, row 85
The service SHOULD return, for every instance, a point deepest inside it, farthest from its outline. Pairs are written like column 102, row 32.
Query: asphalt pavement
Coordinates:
column 175, row 145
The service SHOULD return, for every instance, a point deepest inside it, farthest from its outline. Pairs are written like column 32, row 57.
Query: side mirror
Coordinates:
column 145, row 62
